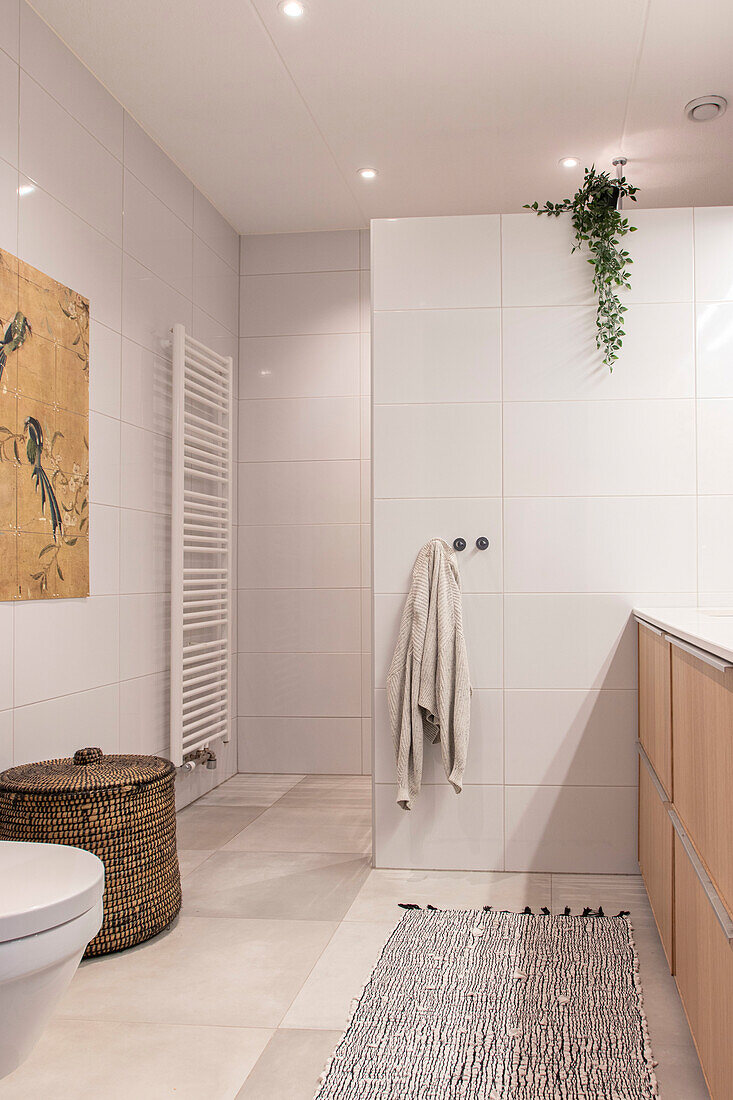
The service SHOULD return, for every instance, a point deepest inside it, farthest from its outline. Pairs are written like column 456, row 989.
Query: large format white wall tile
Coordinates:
column 10, row 14
column 307, row 685
column 436, row 263
column 482, row 623
column 9, row 116
column 291, row 253
column 714, row 253
column 104, row 550
column 662, row 252
column 155, row 237
column 145, row 549
column 58, row 727
column 575, row 640
column 47, row 59
column 326, row 746
column 144, row 634
column 402, row 527
column 581, row 738
column 147, row 387
column 326, row 556
column 715, row 539
column 437, row 355
column 150, row 307
column 586, row 448
column 715, row 447
column 104, row 459
column 292, row 620
column 105, row 349
column 146, row 470
column 453, row 832
column 325, row 365
column 302, row 428
column 714, row 349
column 8, row 207
column 550, row 354
column 210, row 226
column 6, row 739
column 299, row 492
column 62, row 245
column 60, row 155
column 485, row 761
column 599, row 544
column 215, row 286
column 538, row 266
column 146, row 160
column 589, row 830
column 145, row 714
column 437, row 450
column 65, row 646
column 291, row 305
column 6, row 666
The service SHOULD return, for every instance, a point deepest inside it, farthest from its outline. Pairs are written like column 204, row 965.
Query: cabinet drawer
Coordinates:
column 655, row 703
column 656, row 857
column 704, row 974
column 703, row 762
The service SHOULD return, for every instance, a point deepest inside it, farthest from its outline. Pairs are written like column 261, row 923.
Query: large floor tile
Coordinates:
column 342, row 971
column 612, row 892
column 306, row 828
column 203, row 826
column 204, row 970
column 382, row 893
column 190, row 859
column 96, row 1060
column 251, row 790
column 290, row 1065
column 274, row 885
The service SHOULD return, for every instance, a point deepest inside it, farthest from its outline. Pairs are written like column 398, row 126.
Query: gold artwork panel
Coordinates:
column 44, row 436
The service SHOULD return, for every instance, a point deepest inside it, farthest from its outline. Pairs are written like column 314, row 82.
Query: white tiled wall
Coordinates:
column 103, row 209
column 304, row 600
column 493, row 415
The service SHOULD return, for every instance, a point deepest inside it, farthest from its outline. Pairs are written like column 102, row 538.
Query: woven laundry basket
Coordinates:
column 122, row 808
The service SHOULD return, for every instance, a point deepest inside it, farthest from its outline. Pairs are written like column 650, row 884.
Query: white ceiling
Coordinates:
column 463, row 105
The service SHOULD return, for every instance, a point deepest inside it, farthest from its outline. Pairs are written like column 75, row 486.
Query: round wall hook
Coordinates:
column 482, row 543
column 459, row 544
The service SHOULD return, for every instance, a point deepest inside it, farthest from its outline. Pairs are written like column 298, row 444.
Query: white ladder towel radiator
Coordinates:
column 201, row 547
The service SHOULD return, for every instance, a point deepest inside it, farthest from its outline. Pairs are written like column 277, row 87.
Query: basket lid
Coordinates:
column 89, row 770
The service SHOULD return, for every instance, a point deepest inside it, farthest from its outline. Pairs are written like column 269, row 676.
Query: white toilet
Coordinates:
column 50, row 908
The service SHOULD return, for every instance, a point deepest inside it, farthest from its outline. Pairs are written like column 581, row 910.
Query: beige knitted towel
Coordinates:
column 428, row 685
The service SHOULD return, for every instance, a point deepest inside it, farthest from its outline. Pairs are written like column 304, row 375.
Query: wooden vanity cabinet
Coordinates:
column 656, row 855
column 655, row 703
column 704, row 975
column 702, row 693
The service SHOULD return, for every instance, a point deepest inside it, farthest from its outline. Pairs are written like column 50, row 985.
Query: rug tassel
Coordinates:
column 407, row 905
column 566, row 912
column 487, row 909
column 528, row 912
column 587, row 911
column 624, row 913
column 545, row 911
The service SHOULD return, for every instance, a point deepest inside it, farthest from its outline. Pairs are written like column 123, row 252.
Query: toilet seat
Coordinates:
column 44, row 886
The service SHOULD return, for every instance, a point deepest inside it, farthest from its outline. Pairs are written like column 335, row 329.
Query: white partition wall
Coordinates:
column 494, row 416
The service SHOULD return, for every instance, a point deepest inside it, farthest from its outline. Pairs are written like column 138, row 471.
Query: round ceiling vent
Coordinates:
column 706, row 108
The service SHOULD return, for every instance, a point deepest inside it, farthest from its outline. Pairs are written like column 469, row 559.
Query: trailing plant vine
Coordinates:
column 599, row 226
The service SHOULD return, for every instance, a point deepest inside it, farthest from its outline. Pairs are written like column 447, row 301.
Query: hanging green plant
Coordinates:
column 599, row 225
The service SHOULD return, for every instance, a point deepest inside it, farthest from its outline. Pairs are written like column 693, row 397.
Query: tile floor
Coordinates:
column 247, row 993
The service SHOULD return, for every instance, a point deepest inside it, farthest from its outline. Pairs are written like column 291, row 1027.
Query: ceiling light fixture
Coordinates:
column 368, row 173
column 706, row 108
column 569, row 162
column 292, row 8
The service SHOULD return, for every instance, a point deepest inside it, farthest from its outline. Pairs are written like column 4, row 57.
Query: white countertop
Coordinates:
column 709, row 628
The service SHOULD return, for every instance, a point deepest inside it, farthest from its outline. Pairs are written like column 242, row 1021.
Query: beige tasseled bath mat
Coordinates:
column 482, row 1005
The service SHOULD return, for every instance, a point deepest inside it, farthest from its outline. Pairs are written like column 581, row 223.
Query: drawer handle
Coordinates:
column 701, row 655
column 713, row 896
column 652, row 774
column 648, row 626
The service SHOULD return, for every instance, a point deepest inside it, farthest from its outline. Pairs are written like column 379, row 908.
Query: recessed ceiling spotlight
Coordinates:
column 292, row 8
column 368, row 173
column 706, row 108
column 568, row 162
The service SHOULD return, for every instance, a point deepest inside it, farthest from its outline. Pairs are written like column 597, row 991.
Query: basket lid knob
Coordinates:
column 87, row 756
